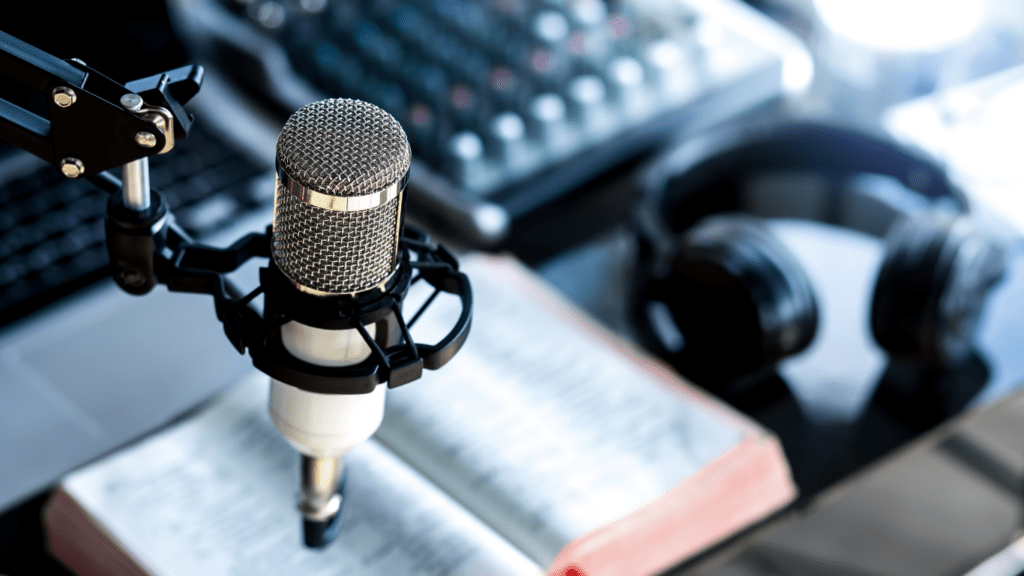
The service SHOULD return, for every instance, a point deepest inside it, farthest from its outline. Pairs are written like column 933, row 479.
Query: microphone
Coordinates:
column 341, row 261
column 341, row 174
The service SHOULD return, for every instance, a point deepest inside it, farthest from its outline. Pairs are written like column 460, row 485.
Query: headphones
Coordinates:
column 721, row 298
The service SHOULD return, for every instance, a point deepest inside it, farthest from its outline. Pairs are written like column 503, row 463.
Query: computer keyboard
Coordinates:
column 51, row 228
column 514, row 102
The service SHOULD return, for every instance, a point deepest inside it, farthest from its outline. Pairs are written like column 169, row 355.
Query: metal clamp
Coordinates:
column 156, row 115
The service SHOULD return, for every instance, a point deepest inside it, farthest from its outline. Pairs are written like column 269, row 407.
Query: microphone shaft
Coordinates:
column 321, row 477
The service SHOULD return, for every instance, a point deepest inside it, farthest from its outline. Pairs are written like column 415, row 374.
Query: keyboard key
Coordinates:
column 10, row 217
column 207, row 215
column 546, row 120
column 185, row 165
column 90, row 206
column 20, row 187
column 551, row 28
column 210, row 154
column 75, row 241
column 232, row 171
column 11, row 270
column 312, row 7
column 35, row 205
column 447, row 48
column 516, row 11
column 421, row 125
column 626, row 84
column 71, row 190
column 465, row 154
column 188, row 191
column 160, row 176
column 7, row 248
column 622, row 32
column 589, row 38
column 343, row 16
column 377, row 47
column 428, row 82
column 58, row 274
column 43, row 256
column 408, row 21
column 508, row 88
column 11, row 190
column 347, row 75
column 257, row 192
column 506, row 138
column 54, row 223
column 668, row 66
column 270, row 15
column 469, row 18
column 23, row 237
column 586, row 100
column 96, row 231
column 91, row 259
column 464, row 106
column 588, row 13
column 387, row 95
column 474, row 69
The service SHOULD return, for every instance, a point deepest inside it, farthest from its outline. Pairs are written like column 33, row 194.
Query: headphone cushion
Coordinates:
column 932, row 285
column 738, row 297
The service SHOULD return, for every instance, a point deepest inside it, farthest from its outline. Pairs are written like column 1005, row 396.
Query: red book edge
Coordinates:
column 75, row 538
column 739, row 488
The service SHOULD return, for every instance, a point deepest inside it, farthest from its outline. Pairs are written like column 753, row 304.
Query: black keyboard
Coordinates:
column 515, row 102
column 51, row 228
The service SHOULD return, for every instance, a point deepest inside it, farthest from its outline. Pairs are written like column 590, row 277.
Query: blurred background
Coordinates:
column 810, row 208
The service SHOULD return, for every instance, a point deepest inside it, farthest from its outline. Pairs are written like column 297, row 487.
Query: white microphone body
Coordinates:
column 325, row 425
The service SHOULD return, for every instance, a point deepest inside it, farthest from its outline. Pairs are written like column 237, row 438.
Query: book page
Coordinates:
column 217, row 495
column 544, row 426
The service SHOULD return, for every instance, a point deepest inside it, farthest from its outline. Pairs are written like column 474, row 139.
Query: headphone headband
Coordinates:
column 711, row 174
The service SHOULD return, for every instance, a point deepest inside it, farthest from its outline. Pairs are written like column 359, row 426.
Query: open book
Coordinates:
column 547, row 446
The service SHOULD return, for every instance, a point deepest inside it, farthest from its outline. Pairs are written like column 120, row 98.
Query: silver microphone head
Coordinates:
column 341, row 167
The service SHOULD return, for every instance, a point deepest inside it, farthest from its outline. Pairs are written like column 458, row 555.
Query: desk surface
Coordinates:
column 940, row 505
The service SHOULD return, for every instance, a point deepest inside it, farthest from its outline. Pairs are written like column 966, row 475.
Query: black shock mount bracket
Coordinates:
column 420, row 260
column 153, row 242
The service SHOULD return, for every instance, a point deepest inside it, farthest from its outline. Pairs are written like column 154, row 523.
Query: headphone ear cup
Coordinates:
column 738, row 298
column 931, row 287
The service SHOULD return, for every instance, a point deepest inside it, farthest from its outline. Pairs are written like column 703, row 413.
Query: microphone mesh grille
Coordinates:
column 334, row 252
column 348, row 148
column 343, row 147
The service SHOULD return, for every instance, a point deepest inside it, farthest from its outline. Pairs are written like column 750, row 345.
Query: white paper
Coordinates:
column 216, row 495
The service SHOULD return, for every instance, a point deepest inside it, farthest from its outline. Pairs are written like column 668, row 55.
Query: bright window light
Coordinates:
column 903, row 25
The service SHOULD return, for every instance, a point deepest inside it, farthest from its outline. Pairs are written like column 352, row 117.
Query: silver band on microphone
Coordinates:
column 337, row 203
column 382, row 287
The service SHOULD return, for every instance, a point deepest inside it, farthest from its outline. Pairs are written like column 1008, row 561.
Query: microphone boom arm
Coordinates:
column 93, row 123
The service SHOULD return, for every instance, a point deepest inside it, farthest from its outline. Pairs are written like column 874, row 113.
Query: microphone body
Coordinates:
column 341, row 173
column 325, row 425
